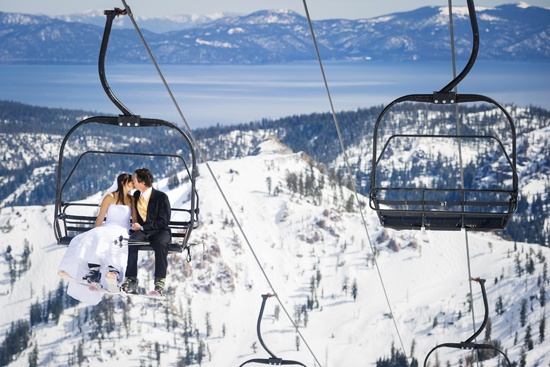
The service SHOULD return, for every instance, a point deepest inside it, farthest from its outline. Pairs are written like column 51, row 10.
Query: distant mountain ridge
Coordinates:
column 158, row 25
column 510, row 32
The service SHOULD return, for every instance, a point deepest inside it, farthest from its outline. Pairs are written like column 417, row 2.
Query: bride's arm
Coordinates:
column 134, row 214
column 109, row 199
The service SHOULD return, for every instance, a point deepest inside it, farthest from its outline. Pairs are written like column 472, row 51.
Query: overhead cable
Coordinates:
column 129, row 12
column 351, row 175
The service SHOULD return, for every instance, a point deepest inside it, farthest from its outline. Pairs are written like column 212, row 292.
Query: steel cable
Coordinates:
column 129, row 12
column 351, row 176
column 451, row 28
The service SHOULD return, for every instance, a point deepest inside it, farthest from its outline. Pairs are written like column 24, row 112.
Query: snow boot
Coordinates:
column 159, row 285
column 93, row 276
column 114, row 271
column 130, row 285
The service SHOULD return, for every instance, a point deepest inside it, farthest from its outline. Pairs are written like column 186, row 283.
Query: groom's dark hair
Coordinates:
column 145, row 176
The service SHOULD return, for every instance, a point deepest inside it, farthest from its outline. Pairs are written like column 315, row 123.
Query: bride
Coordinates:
column 92, row 255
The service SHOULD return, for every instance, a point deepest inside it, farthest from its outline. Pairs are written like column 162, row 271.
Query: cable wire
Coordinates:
column 129, row 12
column 451, row 28
column 351, row 175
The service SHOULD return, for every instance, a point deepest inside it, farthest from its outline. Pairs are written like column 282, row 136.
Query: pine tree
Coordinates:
column 208, row 324
column 157, row 353
column 345, row 285
column 542, row 296
column 276, row 312
column 488, row 331
column 167, row 318
column 13, row 273
column 519, row 268
column 529, row 264
column 297, row 343
column 268, row 181
column 354, row 289
column 528, row 341
column 499, row 306
column 126, row 316
column 24, row 265
column 80, row 353
column 542, row 328
column 33, row 357
column 522, row 358
column 350, row 204
column 523, row 312
column 173, row 181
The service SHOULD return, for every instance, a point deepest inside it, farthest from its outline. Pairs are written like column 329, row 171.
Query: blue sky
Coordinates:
column 319, row 9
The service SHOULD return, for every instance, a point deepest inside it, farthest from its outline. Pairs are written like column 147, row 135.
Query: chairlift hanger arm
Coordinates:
column 468, row 344
column 273, row 360
column 111, row 14
column 475, row 49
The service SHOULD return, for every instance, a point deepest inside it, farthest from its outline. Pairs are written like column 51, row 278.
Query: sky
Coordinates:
column 318, row 9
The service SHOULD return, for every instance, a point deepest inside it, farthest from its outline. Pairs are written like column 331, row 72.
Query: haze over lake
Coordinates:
column 230, row 94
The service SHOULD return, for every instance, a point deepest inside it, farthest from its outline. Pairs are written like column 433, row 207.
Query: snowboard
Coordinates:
column 113, row 287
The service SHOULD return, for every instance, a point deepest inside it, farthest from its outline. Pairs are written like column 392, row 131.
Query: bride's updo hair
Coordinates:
column 122, row 180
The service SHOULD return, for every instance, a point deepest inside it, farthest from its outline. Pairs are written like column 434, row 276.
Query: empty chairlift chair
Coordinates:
column 447, row 205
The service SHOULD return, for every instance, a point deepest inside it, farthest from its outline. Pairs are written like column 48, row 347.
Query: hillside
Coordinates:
column 29, row 151
column 508, row 32
column 310, row 247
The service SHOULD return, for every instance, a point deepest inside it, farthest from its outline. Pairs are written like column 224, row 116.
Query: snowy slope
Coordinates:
column 424, row 273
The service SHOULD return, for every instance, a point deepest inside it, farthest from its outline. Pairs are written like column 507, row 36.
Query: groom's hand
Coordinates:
column 136, row 226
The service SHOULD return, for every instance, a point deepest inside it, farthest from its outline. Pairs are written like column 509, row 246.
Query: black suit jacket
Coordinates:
column 158, row 212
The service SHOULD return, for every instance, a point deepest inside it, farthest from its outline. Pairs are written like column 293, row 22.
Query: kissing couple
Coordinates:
column 93, row 257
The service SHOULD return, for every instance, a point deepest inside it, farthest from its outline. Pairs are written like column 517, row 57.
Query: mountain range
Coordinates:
column 508, row 32
column 156, row 25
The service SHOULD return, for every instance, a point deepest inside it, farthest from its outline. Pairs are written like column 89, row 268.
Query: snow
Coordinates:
column 461, row 11
column 235, row 30
column 216, row 43
column 381, row 19
column 292, row 237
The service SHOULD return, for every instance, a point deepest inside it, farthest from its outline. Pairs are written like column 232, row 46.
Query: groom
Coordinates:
column 153, row 216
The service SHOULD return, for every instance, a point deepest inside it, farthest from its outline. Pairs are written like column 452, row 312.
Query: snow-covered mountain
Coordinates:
column 507, row 32
column 153, row 24
column 29, row 153
column 309, row 247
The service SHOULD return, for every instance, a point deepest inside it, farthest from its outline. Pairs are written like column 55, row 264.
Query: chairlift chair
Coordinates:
column 273, row 360
column 471, row 343
column 67, row 224
column 445, row 208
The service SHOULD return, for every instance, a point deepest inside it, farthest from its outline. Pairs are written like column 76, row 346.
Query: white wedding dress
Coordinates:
column 97, row 246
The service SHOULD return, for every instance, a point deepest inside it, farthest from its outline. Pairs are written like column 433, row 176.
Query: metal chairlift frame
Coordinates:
column 273, row 360
column 395, row 217
column 65, row 223
column 469, row 344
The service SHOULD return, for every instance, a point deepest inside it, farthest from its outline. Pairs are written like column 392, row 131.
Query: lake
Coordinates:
column 229, row 94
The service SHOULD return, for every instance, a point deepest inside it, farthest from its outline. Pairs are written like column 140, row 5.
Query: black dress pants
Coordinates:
column 159, row 242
